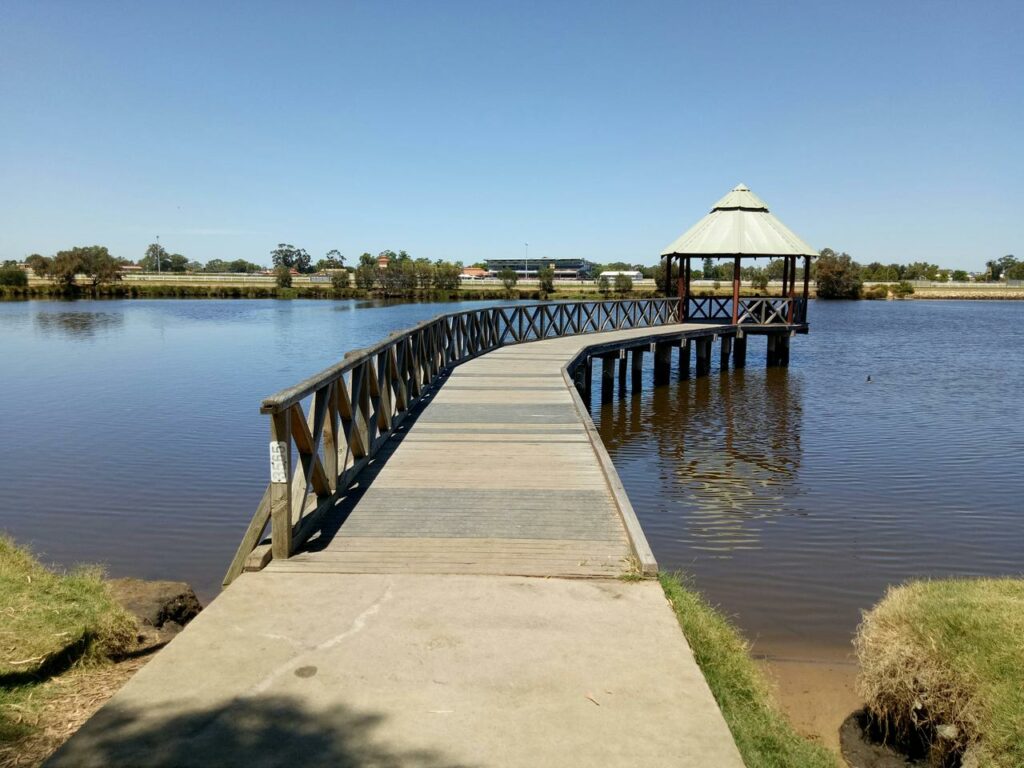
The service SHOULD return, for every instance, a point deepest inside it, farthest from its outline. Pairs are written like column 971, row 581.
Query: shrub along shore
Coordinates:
column 942, row 666
column 123, row 290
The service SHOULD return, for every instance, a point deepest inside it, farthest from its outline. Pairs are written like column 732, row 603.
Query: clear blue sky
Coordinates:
column 462, row 130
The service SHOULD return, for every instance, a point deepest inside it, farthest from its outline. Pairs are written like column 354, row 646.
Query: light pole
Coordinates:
column 526, row 272
column 158, row 254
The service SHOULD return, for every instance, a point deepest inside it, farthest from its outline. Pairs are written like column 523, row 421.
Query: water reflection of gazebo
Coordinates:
column 739, row 227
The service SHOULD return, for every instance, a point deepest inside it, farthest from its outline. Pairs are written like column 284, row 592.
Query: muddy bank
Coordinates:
column 814, row 686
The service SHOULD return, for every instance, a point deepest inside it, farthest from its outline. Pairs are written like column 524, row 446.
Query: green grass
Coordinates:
column 946, row 658
column 50, row 622
column 764, row 736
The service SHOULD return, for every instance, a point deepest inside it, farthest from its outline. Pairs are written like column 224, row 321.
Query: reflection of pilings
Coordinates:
column 739, row 351
column 622, row 373
column 608, row 376
column 662, row 362
column 703, row 356
column 638, row 369
column 684, row 359
column 724, row 352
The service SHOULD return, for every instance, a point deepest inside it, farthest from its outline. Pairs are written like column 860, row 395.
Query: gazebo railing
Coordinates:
column 759, row 311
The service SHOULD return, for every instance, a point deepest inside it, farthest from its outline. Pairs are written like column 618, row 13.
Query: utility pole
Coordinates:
column 158, row 259
column 526, row 273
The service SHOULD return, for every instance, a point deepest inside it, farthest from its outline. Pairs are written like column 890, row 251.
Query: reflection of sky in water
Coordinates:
column 796, row 496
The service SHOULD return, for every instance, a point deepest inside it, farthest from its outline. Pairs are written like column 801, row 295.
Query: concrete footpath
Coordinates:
column 417, row 670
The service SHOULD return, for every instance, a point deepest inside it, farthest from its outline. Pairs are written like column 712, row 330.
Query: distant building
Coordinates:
column 631, row 274
column 382, row 261
column 474, row 273
column 131, row 268
column 564, row 268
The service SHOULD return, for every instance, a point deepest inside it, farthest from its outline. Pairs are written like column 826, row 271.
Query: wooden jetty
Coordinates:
column 355, row 489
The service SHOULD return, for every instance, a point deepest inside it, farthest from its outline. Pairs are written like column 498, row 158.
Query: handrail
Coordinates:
column 358, row 403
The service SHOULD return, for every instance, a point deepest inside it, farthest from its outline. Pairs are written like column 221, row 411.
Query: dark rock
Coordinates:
column 862, row 746
column 162, row 608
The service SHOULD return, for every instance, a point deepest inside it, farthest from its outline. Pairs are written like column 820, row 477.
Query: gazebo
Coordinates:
column 739, row 227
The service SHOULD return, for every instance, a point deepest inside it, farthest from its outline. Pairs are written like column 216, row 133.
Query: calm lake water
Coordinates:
column 794, row 496
column 132, row 437
column 131, row 429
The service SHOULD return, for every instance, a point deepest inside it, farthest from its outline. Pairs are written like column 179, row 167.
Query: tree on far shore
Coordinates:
column 286, row 255
column 837, row 276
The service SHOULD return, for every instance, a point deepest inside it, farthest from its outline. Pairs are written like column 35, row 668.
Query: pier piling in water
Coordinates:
column 662, row 362
column 684, row 360
column 725, row 352
column 703, row 356
column 739, row 351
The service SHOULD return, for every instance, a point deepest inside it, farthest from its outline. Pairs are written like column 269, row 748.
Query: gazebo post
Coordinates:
column 807, row 285
column 684, row 288
column 736, row 291
column 668, row 276
column 792, row 290
column 785, row 274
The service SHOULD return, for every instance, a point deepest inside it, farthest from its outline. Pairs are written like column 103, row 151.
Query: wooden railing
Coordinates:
column 337, row 420
column 759, row 311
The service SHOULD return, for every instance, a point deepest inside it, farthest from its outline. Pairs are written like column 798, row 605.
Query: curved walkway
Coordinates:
column 410, row 633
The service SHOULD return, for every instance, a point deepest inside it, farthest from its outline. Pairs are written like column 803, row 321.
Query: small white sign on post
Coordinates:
column 278, row 452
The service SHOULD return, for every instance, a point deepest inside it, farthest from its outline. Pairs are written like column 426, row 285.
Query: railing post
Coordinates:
column 281, row 484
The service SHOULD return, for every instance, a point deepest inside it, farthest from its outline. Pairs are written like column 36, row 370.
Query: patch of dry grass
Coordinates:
column 49, row 623
column 945, row 659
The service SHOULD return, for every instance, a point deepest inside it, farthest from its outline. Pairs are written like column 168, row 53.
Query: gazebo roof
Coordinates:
column 739, row 225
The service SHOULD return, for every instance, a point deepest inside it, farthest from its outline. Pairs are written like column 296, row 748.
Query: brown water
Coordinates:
column 795, row 496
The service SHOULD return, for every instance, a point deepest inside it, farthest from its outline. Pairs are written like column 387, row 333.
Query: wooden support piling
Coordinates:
column 725, row 352
column 662, row 362
column 739, row 351
column 684, row 359
column 637, row 369
column 703, row 356
column 608, row 376
column 623, row 365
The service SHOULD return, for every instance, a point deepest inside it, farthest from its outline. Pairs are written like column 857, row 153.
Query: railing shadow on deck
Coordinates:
column 339, row 419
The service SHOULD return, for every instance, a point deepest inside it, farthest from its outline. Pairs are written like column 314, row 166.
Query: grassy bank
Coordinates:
column 764, row 736
column 52, row 623
column 945, row 660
